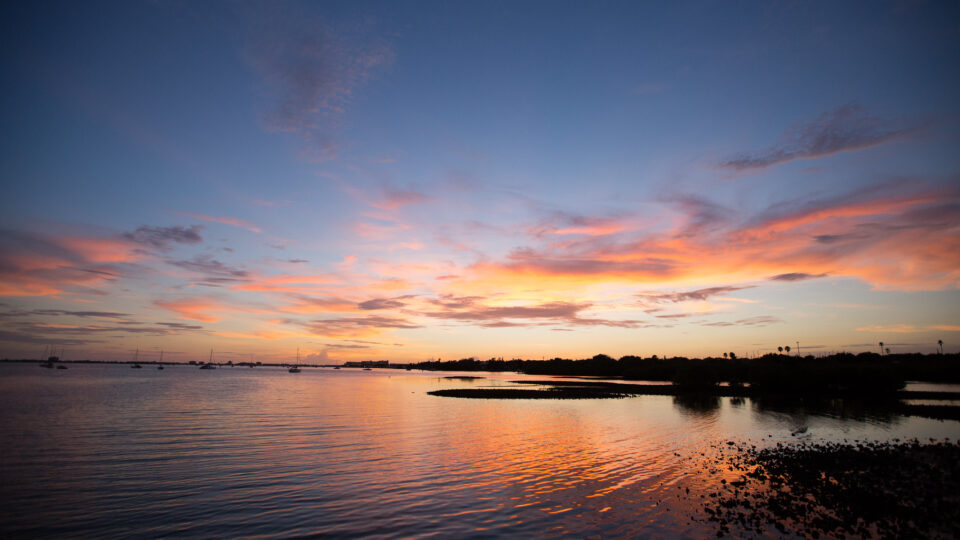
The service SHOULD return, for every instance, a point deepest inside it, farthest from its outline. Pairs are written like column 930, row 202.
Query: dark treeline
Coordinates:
column 844, row 371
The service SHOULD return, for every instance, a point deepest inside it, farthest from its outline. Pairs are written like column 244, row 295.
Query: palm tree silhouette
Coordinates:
column 780, row 350
column 787, row 348
column 940, row 346
column 881, row 348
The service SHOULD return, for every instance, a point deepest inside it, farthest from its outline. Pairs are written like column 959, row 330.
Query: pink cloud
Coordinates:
column 908, row 240
column 42, row 265
column 198, row 308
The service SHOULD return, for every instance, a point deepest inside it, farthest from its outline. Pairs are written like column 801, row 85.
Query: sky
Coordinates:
column 417, row 180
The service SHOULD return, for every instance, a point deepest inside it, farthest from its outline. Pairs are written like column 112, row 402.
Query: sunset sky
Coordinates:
column 413, row 180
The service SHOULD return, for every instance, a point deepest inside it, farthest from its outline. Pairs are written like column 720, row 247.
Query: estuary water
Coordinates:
column 106, row 451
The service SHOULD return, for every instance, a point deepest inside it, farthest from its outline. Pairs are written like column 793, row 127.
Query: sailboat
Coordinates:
column 136, row 365
column 50, row 359
column 209, row 364
column 296, row 368
column 160, row 366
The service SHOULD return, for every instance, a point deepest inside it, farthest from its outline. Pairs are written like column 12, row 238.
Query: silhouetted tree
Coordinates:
column 733, row 356
column 787, row 348
column 780, row 350
column 724, row 355
column 881, row 347
column 939, row 346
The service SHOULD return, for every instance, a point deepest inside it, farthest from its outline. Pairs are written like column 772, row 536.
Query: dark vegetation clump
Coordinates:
column 844, row 373
column 863, row 489
column 563, row 392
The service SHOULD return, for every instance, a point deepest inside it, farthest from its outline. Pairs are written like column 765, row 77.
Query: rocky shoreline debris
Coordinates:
column 900, row 489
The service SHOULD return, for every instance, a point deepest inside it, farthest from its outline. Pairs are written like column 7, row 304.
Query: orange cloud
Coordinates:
column 102, row 250
column 290, row 283
column 906, row 242
column 907, row 328
column 39, row 265
column 197, row 308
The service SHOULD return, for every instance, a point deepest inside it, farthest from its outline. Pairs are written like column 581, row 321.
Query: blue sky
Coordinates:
column 396, row 180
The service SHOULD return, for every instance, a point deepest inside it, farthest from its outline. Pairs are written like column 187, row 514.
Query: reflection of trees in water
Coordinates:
column 697, row 404
column 882, row 410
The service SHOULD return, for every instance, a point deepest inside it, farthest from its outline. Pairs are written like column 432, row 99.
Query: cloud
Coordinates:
column 699, row 215
column 384, row 303
column 31, row 338
column 696, row 295
column 761, row 320
column 564, row 223
column 161, row 237
column 215, row 273
column 907, row 328
column 845, row 129
column 649, row 88
column 226, row 220
column 312, row 73
column 947, row 327
column 391, row 199
column 42, row 265
column 796, row 276
column 68, row 313
column 356, row 326
column 42, row 332
column 197, row 308
column 472, row 310
column 181, row 326
column 303, row 303
column 898, row 234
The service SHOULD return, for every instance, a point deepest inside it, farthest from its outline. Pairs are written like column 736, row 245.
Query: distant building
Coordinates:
column 368, row 364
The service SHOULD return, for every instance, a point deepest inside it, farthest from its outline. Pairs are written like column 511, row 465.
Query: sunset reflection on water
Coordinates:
column 106, row 451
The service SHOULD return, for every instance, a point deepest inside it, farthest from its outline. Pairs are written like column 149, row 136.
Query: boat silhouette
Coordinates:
column 296, row 368
column 209, row 364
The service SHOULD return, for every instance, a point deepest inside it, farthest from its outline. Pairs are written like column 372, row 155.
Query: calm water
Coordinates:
column 109, row 451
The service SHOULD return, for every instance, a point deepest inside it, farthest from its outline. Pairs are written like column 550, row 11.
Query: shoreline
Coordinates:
column 860, row 489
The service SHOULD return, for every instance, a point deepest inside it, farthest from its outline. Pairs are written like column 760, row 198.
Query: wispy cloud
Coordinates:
column 898, row 235
column 356, row 326
column 42, row 265
column 225, row 220
column 214, row 273
column 475, row 311
column 65, row 313
column 384, row 303
column 845, row 129
column 564, row 223
column 796, row 276
column 907, row 328
column 649, row 88
column 760, row 320
column 25, row 331
column 161, row 238
column 197, row 308
column 695, row 295
column 391, row 199
column 313, row 71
